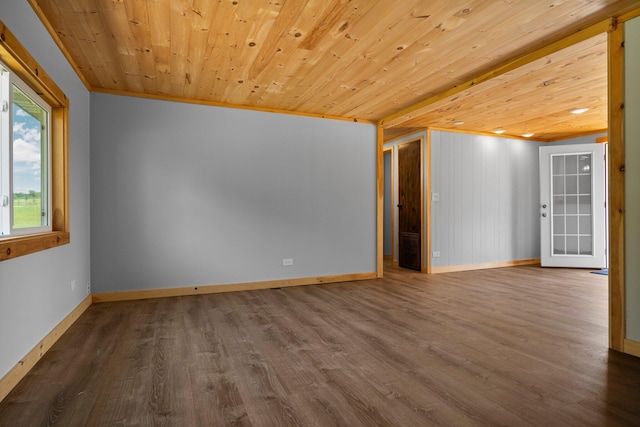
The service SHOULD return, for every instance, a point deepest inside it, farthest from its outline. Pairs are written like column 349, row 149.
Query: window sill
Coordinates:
column 13, row 247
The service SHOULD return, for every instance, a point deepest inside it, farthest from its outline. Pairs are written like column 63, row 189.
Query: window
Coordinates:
column 34, row 183
column 24, row 167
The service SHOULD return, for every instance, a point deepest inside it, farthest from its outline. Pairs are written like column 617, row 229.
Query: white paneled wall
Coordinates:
column 488, row 199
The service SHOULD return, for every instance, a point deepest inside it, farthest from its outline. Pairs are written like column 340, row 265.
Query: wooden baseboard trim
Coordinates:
column 22, row 368
column 500, row 264
column 632, row 347
column 388, row 257
column 212, row 289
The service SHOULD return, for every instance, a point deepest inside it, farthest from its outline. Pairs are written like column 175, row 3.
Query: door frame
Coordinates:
column 424, row 137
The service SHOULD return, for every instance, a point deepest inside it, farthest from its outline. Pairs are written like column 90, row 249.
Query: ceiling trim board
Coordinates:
column 224, row 105
column 521, row 138
column 580, row 134
column 474, row 132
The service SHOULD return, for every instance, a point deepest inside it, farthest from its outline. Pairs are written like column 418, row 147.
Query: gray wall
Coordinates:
column 587, row 139
column 194, row 195
column 35, row 291
column 632, row 177
column 489, row 189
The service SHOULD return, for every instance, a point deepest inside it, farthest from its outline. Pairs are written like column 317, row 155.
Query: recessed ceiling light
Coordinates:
column 528, row 135
column 578, row 110
column 499, row 131
column 458, row 122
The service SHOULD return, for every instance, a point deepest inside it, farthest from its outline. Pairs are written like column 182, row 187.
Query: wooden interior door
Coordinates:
column 409, row 215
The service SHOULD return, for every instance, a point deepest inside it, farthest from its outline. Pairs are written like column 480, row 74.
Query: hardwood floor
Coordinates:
column 513, row 346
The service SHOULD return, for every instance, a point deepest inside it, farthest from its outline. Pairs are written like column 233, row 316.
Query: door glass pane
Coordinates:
column 584, row 184
column 558, row 224
column 571, row 183
column 571, row 204
column 558, row 165
column 558, row 204
column 585, row 225
column 558, row 184
column 571, row 164
column 585, row 205
column 586, row 247
column 572, row 245
column 29, row 151
column 584, row 164
column 572, row 224
column 558, row 245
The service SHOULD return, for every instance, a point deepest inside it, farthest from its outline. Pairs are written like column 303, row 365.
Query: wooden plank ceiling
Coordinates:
column 358, row 59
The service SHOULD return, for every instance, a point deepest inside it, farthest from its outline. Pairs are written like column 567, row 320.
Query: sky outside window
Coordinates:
column 27, row 144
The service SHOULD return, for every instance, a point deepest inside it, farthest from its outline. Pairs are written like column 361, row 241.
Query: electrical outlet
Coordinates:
column 436, row 254
column 73, row 285
column 88, row 288
column 435, row 197
column 287, row 261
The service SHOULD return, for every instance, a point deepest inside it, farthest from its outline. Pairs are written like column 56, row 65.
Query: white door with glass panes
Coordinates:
column 572, row 206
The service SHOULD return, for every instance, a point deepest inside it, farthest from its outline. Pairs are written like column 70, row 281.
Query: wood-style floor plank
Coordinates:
column 520, row 346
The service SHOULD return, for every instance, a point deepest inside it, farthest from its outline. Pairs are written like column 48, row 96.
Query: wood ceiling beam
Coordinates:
column 425, row 105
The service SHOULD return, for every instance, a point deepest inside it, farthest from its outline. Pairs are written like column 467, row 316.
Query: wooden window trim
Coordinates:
column 20, row 62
